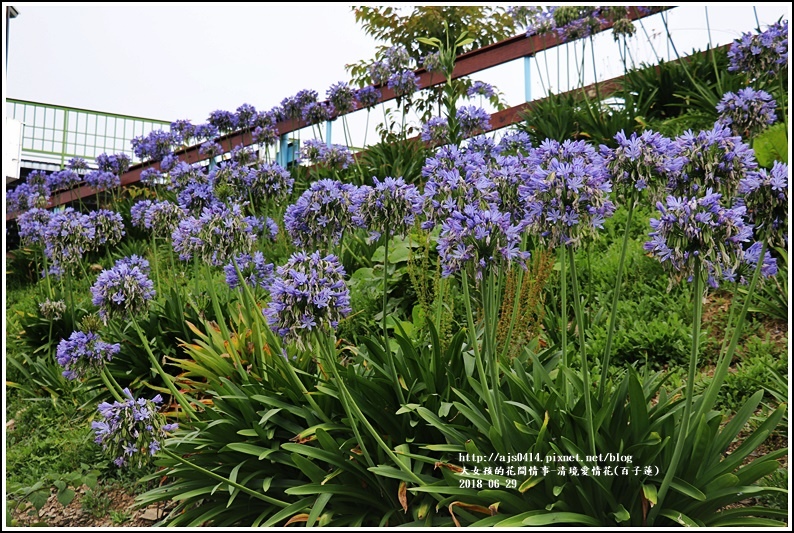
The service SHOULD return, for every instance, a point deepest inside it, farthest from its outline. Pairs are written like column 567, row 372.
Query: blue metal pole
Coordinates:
column 328, row 133
column 281, row 159
column 527, row 79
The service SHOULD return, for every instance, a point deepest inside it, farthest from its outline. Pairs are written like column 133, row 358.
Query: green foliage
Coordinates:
column 761, row 361
column 553, row 117
column 771, row 145
column 403, row 158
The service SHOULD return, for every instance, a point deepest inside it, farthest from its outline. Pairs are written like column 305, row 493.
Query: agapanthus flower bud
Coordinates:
column 52, row 309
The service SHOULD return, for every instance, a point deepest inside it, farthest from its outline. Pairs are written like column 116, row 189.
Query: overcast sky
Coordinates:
column 183, row 61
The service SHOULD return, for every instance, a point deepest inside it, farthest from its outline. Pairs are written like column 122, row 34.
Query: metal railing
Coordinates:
column 54, row 134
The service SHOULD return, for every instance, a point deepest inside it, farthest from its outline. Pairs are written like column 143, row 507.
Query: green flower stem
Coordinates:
column 577, row 307
column 489, row 394
column 156, row 265
column 490, row 318
column 114, row 390
column 180, row 398
column 564, row 322
column 615, row 299
column 213, row 475
column 386, row 345
column 710, row 395
column 690, row 387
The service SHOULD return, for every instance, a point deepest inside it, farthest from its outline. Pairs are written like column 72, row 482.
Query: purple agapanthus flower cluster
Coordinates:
column 214, row 237
column 751, row 257
column 196, row 196
column 131, row 430
column 246, row 115
column 108, row 227
column 183, row 131
column 138, row 212
column 640, row 162
column 765, row 194
column 154, row 146
column 77, row 163
column 481, row 88
column 52, row 309
column 308, row 293
column 32, row 225
column 480, row 238
column 403, row 82
column 272, row 181
column 473, row 119
column 342, row 97
column 432, row 62
column 699, row 227
column 761, row 55
column 101, row 180
column 390, row 206
column 436, row 130
column 336, row 156
column 321, row 214
column 449, row 186
column 151, row 177
column 184, row 174
column 122, row 291
column 317, row 112
column 255, row 271
column 27, row 196
column 514, row 143
column 162, row 218
column 69, row 235
column 225, row 121
column 266, row 134
column 63, row 180
column 83, row 354
column 747, row 112
column 206, row 132
column 483, row 145
column 169, row 162
column 135, row 261
column 210, row 149
column 116, row 163
column 293, row 105
column 567, row 193
column 711, row 159
column 368, row 96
